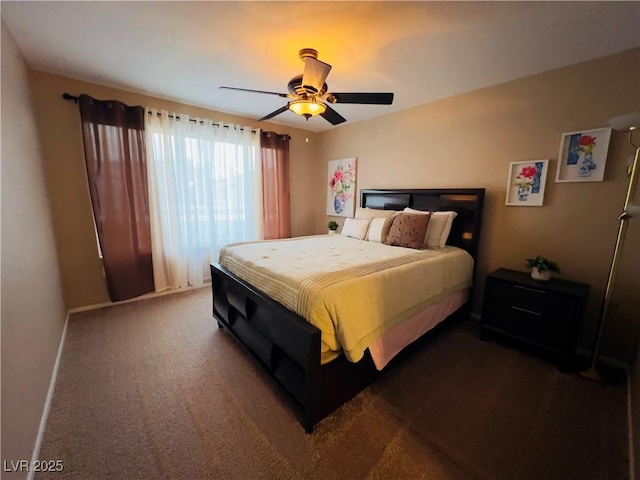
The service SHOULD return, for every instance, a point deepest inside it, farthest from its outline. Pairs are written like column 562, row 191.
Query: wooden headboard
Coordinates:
column 467, row 202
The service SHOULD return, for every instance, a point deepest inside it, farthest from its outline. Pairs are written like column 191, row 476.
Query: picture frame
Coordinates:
column 526, row 183
column 341, row 187
column 583, row 155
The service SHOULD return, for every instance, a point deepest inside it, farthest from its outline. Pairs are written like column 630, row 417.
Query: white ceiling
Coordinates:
column 422, row 51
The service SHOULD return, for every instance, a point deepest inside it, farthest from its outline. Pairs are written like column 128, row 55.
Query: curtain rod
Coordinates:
column 68, row 96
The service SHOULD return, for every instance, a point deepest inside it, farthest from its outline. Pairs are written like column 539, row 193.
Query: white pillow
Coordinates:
column 379, row 229
column 356, row 227
column 373, row 213
column 446, row 230
column 438, row 229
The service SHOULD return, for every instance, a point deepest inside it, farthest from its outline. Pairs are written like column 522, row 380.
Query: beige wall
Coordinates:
column 61, row 140
column 469, row 140
column 33, row 312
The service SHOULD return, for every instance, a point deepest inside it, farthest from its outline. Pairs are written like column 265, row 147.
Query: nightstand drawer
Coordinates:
column 533, row 299
column 531, row 325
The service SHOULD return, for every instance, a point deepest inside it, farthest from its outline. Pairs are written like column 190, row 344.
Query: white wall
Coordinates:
column 33, row 310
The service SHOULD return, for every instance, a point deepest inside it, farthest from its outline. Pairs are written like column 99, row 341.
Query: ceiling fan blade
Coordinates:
column 333, row 117
column 315, row 73
column 363, row 98
column 273, row 114
column 283, row 95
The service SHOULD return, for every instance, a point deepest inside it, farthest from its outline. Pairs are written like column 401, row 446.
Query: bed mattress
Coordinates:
column 352, row 290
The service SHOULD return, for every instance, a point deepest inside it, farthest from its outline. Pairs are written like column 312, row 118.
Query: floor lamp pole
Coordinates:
column 593, row 372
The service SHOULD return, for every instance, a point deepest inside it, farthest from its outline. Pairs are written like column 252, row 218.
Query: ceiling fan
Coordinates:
column 308, row 92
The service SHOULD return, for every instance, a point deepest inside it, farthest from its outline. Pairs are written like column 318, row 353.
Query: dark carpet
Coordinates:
column 154, row 390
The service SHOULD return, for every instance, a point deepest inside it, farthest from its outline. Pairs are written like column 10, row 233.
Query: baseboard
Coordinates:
column 48, row 399
column 614, row 363
column 146, row 296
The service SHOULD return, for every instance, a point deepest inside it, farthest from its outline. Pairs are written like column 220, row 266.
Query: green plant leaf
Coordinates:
column 542, row 264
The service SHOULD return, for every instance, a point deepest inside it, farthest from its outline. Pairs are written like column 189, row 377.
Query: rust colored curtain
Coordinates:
column 275, row 185
column 114, row 149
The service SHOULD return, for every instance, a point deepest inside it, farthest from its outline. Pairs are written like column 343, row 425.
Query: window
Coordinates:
column 205, row 192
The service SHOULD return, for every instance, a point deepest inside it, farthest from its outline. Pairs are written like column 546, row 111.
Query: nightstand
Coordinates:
column 544, row 315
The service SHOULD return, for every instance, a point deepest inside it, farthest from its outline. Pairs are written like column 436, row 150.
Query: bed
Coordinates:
column 320, row 373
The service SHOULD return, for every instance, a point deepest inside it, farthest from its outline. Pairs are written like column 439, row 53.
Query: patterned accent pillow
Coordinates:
column 408, row 230
column 439, row 227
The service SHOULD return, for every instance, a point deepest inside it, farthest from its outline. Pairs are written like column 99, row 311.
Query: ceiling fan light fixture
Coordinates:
column 307, row 108
column 308, row 93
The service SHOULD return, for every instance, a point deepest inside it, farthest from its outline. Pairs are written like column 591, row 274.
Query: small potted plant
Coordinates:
column 332, row 226
column 542, row 267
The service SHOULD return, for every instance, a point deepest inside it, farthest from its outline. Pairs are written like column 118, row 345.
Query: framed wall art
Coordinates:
column 341, row 187
column 525, row 183
column 583, row 156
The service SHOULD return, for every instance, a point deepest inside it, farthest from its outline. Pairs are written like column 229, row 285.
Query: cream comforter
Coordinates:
column 352, row 290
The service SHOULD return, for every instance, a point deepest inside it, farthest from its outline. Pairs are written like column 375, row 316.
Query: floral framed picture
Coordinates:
column 525, row 183
column 341, row 187
column 583, row 156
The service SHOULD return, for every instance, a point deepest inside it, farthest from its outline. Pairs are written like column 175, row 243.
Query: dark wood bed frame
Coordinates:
column 288, row 346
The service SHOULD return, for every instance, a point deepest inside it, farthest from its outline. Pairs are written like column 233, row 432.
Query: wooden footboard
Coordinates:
column 288, row 347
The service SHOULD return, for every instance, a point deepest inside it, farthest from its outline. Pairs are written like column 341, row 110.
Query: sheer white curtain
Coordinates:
column 205, row 191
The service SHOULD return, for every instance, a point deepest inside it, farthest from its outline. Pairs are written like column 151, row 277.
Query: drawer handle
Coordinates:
column 530, row 289
column 525, row 310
